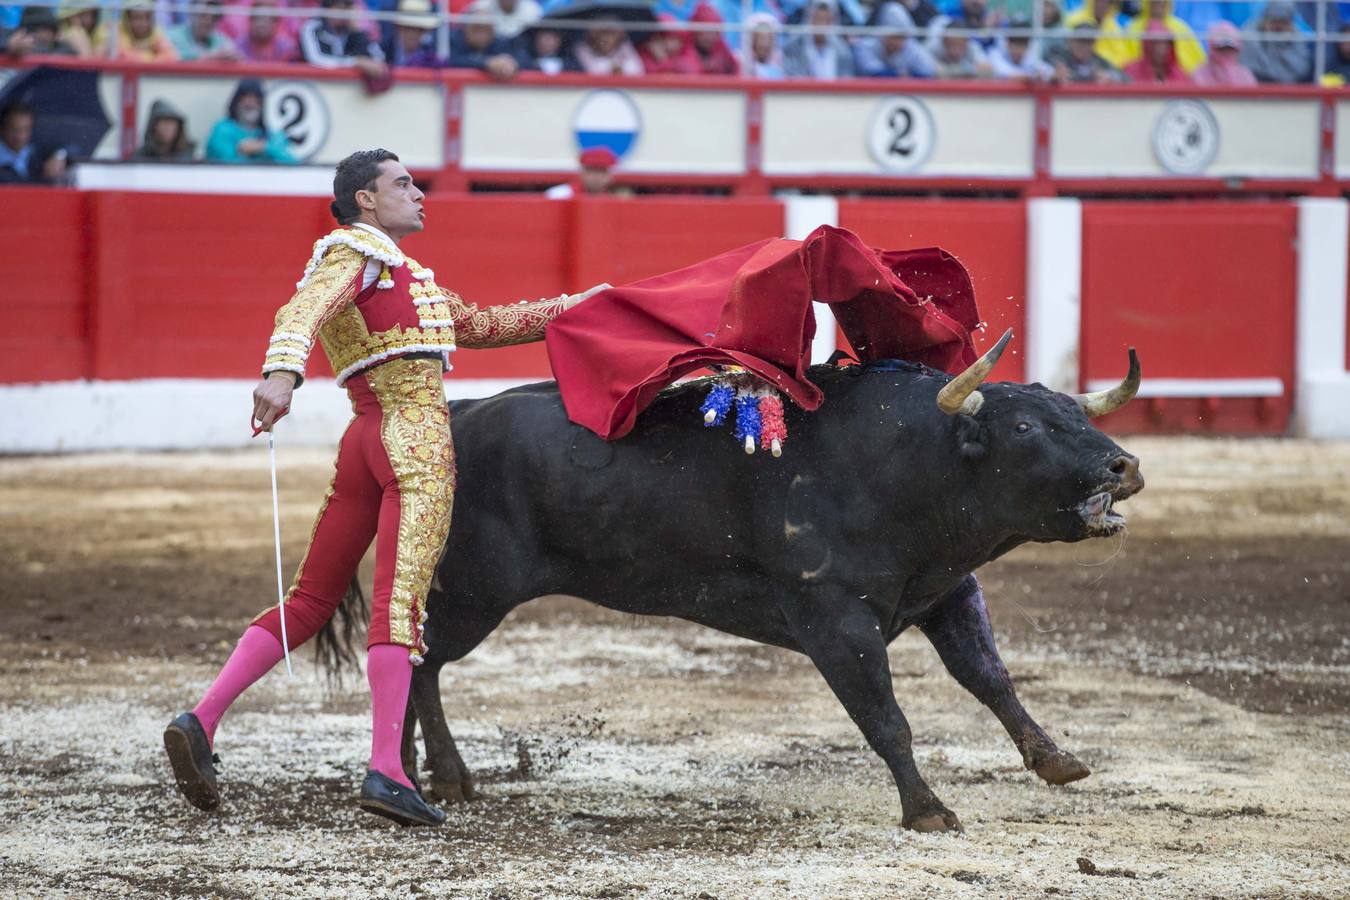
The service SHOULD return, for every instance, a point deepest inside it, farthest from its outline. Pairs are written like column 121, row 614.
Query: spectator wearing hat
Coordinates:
column 1018, row 56
column 595, row 177
column 541, row 48
column 476, row 45
column 242, row 136
column 895, row 51
column 1224, row 66
column 1159, row 63
column 38, row 32
column 200, row 37
column 973, row 15
column 166, row 138
column 819, row 54
column 414, row 42
column 668, row 50
column 923, row 12
column 265, row 40
column 333, row 42
column 79, row 27
column 1078, row 62
column 1102, row 16
column 1277, row 62
column 956, row 55
column 139, row 39
column 21, row 162
column 606, row 50
column 766, row 56
column 512, row 17
column 1155, row 14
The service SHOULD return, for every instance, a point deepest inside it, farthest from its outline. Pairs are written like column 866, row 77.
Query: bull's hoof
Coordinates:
column 451, row 791
column 1061, row 768
column 935, row 821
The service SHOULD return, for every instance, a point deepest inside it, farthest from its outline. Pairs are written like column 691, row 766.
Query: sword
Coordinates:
column 276, row 531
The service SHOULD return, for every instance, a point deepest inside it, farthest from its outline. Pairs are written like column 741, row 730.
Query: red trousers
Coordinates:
column 394, row 483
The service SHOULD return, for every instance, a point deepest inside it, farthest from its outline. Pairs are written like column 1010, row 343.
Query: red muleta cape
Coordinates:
column 752, row 307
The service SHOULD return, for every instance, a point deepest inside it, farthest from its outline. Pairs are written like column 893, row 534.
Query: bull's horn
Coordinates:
column 960, row 394
column 1099, row 403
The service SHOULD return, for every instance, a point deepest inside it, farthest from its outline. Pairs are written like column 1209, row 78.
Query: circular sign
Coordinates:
column 297, row 109
column 901, row 134
column 1186, row 137
column 607, row 118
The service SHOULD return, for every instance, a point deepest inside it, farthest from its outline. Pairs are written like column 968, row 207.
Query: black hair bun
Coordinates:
column 337, row 213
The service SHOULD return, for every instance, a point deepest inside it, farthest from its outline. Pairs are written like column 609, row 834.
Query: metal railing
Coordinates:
column 1320, row 35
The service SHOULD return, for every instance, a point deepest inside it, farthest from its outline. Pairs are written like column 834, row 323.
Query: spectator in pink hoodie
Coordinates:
column 667, row 51
column 714, row 56
column 1158, row 64
column 265, row 41
column 1224, row 66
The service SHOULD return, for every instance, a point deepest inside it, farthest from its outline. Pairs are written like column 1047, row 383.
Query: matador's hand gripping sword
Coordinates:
column 276, row 532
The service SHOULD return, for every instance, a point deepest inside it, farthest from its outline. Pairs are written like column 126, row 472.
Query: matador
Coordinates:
column 388, row 330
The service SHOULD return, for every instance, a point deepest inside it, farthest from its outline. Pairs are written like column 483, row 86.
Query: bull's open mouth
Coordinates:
column 1099, row 515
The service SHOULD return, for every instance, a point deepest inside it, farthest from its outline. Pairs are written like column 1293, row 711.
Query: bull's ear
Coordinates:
column 970, row 435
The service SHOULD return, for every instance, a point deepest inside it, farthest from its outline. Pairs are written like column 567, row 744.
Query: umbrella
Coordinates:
column 633, row 12
column 67, row 110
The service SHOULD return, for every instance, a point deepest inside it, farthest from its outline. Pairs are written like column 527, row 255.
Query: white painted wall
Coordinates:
column 1322, row 401
column 175, row 414
column 1054, row 291
column 801, row 216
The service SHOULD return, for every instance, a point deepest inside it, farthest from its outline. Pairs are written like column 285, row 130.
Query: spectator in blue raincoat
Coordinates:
column 242, row 136
column 896, row 51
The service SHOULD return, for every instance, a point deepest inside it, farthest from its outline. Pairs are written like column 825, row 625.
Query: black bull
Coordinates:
column 884, row 502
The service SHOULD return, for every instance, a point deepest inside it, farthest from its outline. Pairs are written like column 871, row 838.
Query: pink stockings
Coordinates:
column 387, row 668
column 390, row 672
column 253, row 657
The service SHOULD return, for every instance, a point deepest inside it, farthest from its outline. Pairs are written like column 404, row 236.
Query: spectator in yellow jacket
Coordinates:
column 1104, row 15
column 1190, row 52
column 139, row 39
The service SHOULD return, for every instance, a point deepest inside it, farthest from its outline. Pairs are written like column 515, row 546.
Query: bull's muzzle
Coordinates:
column 1125, row 469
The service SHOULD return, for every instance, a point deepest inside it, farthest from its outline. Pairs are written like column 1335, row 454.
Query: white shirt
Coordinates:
column 370, row 273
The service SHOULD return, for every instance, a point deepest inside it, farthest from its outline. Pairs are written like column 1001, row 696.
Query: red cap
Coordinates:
column 598, row 158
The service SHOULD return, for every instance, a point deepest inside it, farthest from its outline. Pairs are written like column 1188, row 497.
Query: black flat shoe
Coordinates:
column 384, row 796
column 193, row 762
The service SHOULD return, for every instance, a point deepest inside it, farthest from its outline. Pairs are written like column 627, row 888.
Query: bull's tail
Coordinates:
column 334, row 645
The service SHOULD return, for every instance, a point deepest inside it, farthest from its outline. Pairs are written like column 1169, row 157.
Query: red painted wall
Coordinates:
column 133, row 285
column 44, row 323
column 1203, row 290
column 988, row 236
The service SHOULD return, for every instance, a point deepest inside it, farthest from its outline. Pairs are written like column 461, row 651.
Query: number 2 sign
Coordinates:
column 298, row 109
column 900, row 134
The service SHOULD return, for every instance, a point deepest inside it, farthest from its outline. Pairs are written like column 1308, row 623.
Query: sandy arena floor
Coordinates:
column 1201, row 667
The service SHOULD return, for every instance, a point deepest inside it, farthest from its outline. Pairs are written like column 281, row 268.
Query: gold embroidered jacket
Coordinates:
column 402, row 312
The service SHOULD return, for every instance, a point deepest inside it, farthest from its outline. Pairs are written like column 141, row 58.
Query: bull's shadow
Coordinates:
column 885, row 501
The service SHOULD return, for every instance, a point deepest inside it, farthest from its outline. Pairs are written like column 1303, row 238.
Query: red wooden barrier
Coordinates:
column 1205, row 291
column 44, row 323
column 135, row 285
column 186, row 286
column 988, row 236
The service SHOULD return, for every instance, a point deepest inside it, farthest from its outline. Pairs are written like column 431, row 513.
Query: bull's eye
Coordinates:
column 1023, row 427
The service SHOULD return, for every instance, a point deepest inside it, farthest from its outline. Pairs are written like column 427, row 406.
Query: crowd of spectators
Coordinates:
column 1097, row 41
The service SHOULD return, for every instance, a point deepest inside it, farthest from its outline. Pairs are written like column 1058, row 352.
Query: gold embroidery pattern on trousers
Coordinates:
column 416, row 437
